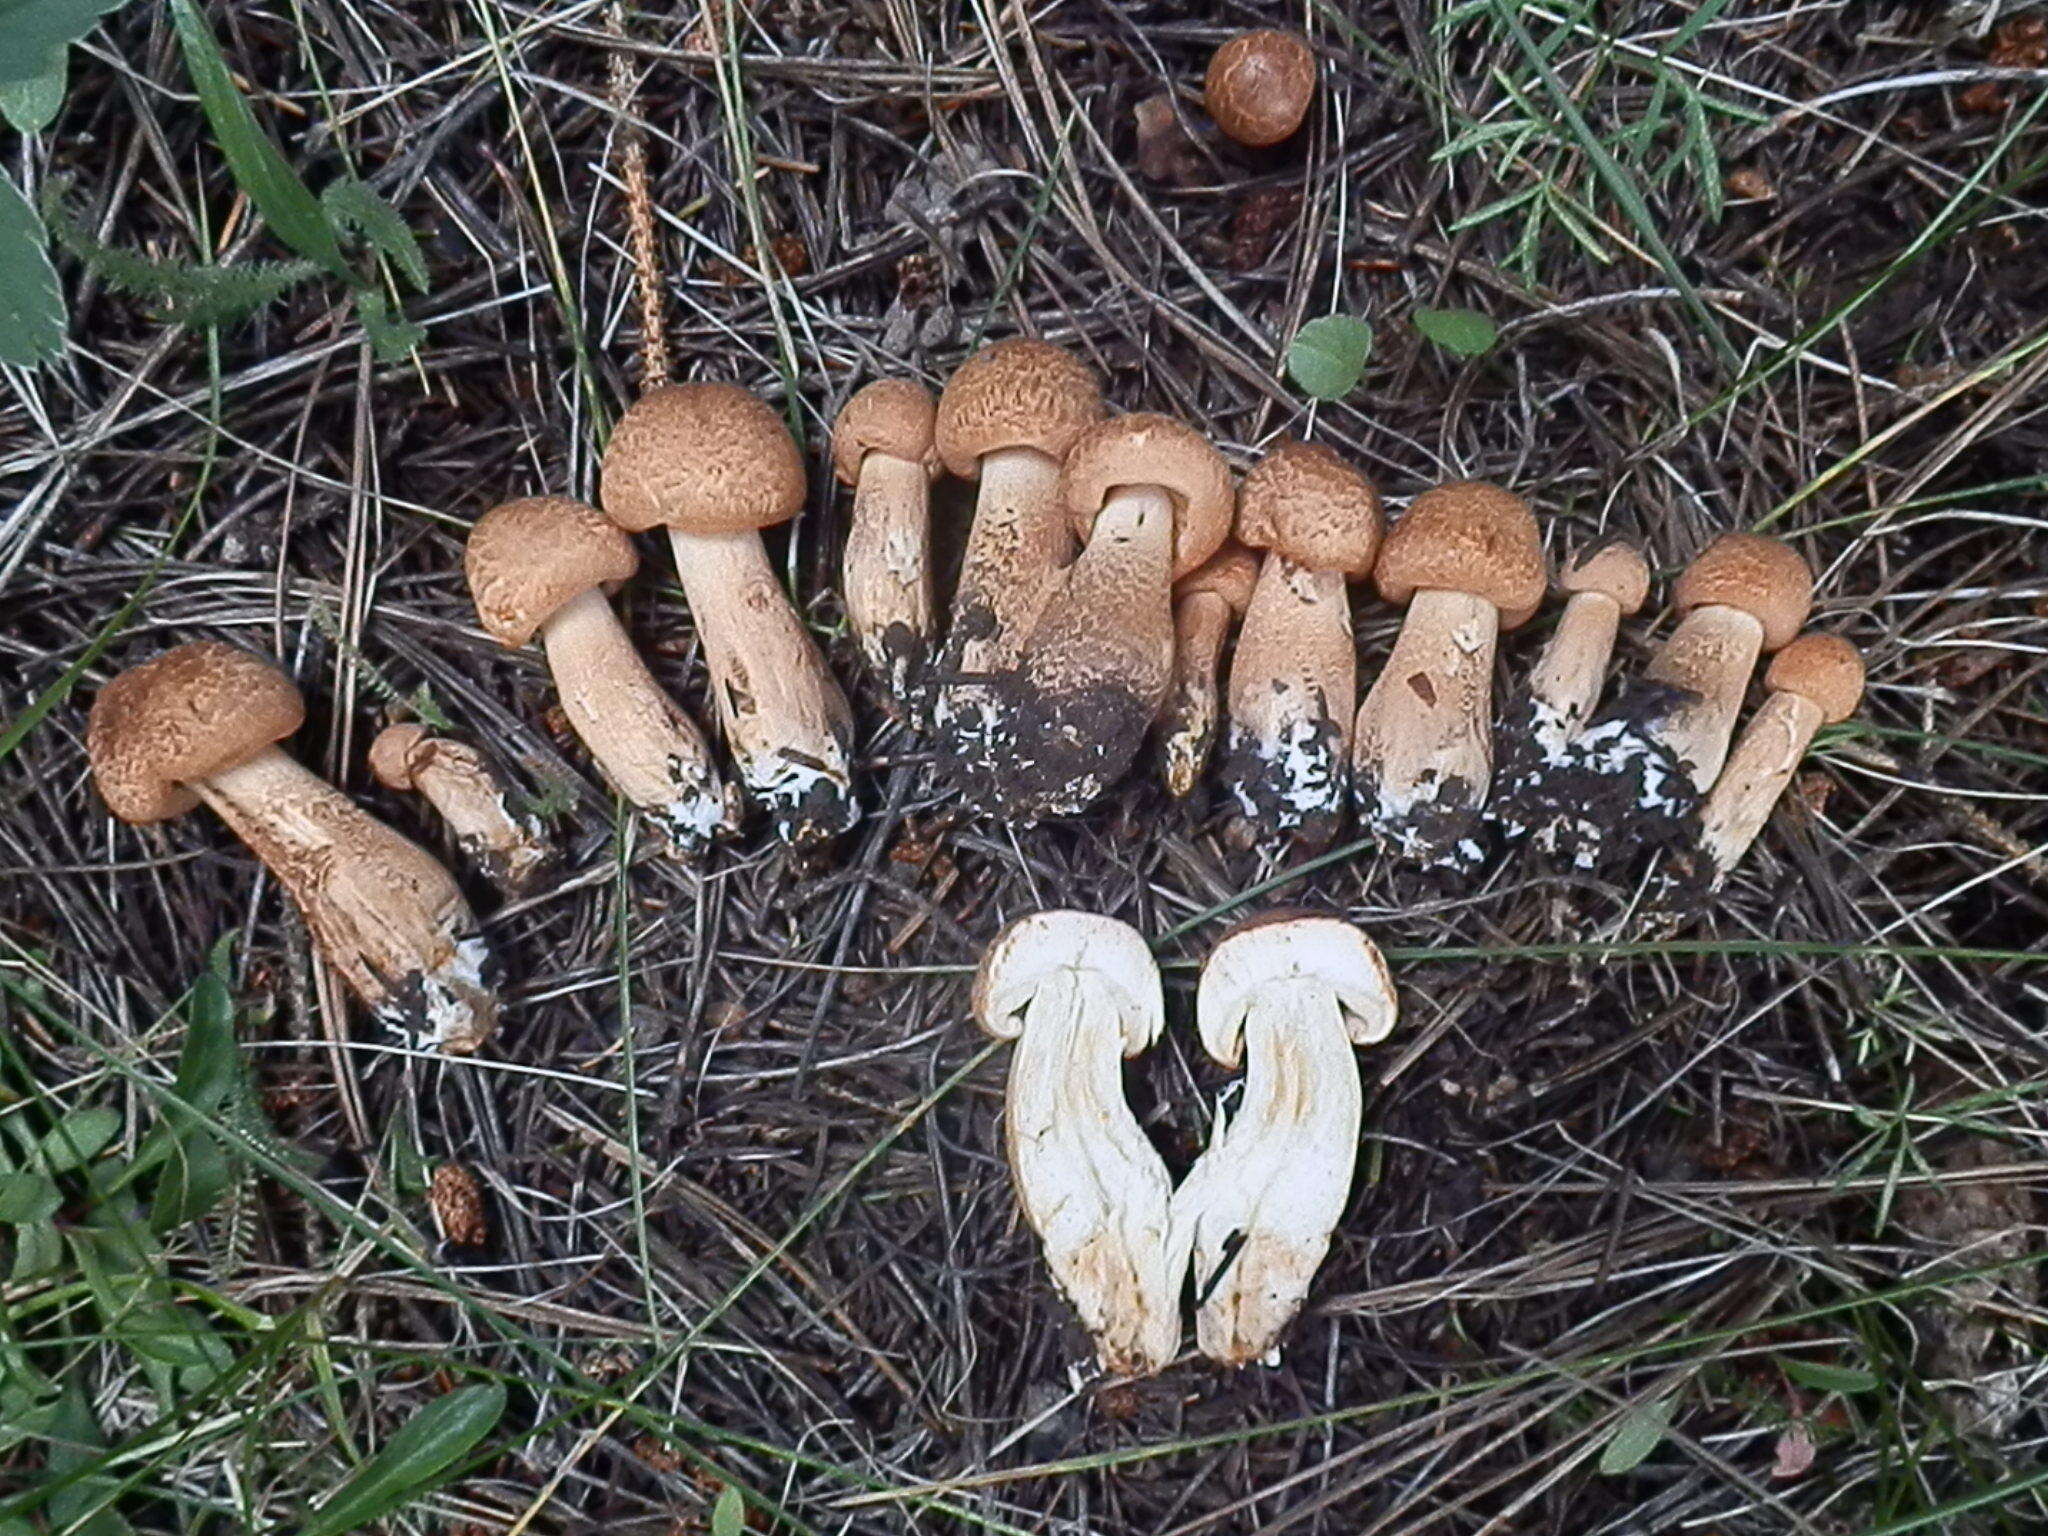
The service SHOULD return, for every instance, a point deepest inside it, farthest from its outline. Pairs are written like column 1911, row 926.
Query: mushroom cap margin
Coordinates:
column 1034, row 947
column 1259, row 953
column 1467, row 536
column 1016, row 393
column 1763, row 577
column 1259, row 86
column 1824, row 668
column 1614, row 568
column 194, row 711
column 1144, row 448
column 703, row 459
column 1231, row 574
column 898, row 417
column 391, row 754
column 1305, row 502
column 526, row 558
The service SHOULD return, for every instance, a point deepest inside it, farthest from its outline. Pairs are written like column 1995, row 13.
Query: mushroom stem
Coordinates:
column 1765, row 757
column 1019, row 542
column 1201, row 623
column 1100, row 659
column 1260, row 1203
column 459, row 784
column 888, row 581
column 651, row 751
column 381, row 909
column 785, row 719
column 1286, row 763
column 1566, row 681
column 1091, row 1185
column 1423, row 747
column 1708, row 660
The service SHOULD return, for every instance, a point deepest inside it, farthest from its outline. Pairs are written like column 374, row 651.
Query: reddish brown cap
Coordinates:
column 1823, row 668
column 892, row 416
column 1259, row 86
column 197, row 710
column 1018, row 393
column 1765, row 578
column 1230, row 574
column 526, row 558
column 1304, row 502
column 391, row 754
column 704, row 459
column 1614, row 568
column 1467, row 536
column 1144, row 449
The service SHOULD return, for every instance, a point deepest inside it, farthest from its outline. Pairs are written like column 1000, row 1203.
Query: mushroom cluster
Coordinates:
column 1285, row 997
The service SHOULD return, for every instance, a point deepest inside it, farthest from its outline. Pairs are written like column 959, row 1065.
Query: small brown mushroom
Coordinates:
column 1206, row 602
column 1006, row 419
column 1468, row 560
column 882, row 446
column 1259, row 86
column 1603, row 586
column 1294, row 682
column 715, row 465
column 1154, row 500
column 459, row 784
column 1817, row 680
column 201, row 722
column 544, row 564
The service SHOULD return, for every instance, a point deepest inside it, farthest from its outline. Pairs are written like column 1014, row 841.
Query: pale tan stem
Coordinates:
column 1201, row 623
column 1293, row 694
column 785, row 719
column 382, row 910
column 888, row 569
column 1709, row 659
column 1566, row 681
column 1424, row 737
column 460, row 785
column 652, row 752
column 1019, row 543
column 1766, row 755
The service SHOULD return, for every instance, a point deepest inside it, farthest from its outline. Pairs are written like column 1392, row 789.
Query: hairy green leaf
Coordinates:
column 1466, row 332
column 729, row 1513
column 36, row 31
column 31, row 305
column 392, row 337
column 412, row 1461
column 197, row 294
column 31, row 105
column 287, row 204
column 1328, row 356
column 353, row 206
column 1827, row 1378
column 1639, row 1433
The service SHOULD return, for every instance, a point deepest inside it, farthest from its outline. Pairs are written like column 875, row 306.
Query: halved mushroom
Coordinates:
column 1638, row 773
column 1468, row 561
column 459, row 784
column 1294, row 683
column 1153, row 500
column 1604, row 585
column 545, row 564
column 1206, row 602
column 201, row 722
column 1289, row 997
column 1259, row 86
column 715, row 465
column 1006, row 419
column 1079, row 992
column 1817, row 680
column 882, row 446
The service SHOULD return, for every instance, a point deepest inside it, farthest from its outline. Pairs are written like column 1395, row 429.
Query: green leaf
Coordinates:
column 37, row 1250
column 1328, row 356
column 31, row 105
column 352, row 205
column 76, row 1440
column 1828, row 1378
column 31, row 305
column 392, row 337
column 287, row 204
column 197, row 1172
column 27, row 1197
column 1463, row 331
column 79, row 1137
column 37, row 30
column 1639, row 1433
column 729, row 1513
column 210, row 1063
column 412, row 1461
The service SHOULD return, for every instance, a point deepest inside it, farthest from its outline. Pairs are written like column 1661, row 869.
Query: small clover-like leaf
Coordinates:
column 1329, row 355
column 1466, row 332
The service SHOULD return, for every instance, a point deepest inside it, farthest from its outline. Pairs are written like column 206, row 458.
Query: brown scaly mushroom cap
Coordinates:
column 391, row 755
column 525, row 559
column 1230, row 574
column 1615, row 569
column 1018, row 393
column 1144, row 449
column 183, row 716
column 1466, row 536
column 1823, row 668
column 893, row 416
column 1304, row 502
column 1763, row 577
column 1259, row 86
column 707, row 459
